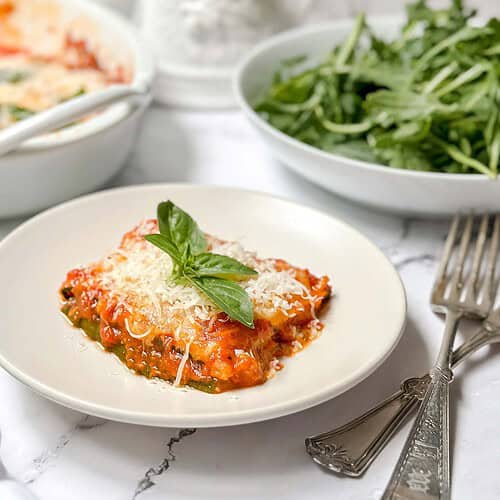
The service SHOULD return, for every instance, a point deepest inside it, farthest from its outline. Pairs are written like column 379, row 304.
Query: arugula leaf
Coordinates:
column 220, row 266
column 356, row 149
column 460, row 157
column 180, row 228
column 403, row 105
column 295, row 89
column 349, row 45
column 229, row 296
column 465, row 34
column 492, row 136
column 405, row 156
column 382, row 73
column 341, row 128
column 294, row 61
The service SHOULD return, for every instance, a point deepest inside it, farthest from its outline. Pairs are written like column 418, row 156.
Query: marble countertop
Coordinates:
column 65, row 455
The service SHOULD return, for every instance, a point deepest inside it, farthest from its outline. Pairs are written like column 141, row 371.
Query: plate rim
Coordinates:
column 205, row 420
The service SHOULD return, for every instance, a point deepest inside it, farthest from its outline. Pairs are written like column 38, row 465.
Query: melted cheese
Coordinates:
column 41, row 85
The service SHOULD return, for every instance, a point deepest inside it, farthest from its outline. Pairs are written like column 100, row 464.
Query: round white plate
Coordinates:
column 38, row 347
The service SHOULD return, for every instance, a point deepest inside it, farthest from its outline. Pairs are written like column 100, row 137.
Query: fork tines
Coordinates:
column 465, row 280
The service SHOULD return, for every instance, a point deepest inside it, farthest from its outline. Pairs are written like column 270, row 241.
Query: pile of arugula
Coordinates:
column 428, row 100
column 212, row 274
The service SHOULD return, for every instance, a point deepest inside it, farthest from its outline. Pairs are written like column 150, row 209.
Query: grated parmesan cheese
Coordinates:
column 134, row 334
column 139, row 274
column 182, row 364
column 42, row 84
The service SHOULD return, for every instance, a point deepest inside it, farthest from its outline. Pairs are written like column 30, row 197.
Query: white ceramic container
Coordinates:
column 197, row 43
column 390, row 189
column 55, row 167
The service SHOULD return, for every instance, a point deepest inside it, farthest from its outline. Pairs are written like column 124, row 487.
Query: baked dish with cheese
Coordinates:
column 164, row 327
column 41, row 65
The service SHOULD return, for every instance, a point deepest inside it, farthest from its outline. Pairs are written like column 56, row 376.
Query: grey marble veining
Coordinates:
column 148, row 481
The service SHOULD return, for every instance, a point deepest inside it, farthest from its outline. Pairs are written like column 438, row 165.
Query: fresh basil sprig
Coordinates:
column 19, row 113
column 212, row 274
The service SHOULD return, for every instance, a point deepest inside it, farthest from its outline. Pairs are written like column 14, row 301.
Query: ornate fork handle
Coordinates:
column 422, row 471
column 350, row 449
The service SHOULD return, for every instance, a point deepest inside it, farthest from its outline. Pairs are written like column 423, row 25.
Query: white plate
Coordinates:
column 39, row 348
column 393, row 189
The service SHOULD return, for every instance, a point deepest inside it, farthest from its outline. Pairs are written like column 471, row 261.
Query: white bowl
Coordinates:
column 404, row 191
column 55, row 167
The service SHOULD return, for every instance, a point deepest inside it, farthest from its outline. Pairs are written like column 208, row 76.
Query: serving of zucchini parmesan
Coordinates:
column 177, row 304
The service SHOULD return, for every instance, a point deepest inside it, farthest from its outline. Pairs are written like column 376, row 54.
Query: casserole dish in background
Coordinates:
column 55, row 167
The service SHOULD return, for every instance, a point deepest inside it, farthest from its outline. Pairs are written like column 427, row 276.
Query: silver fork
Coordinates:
column 351, row 448
column 422, row 471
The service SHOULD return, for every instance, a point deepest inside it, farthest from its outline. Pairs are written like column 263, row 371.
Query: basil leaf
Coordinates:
column 163, row 243
column 181, row 238
column 17, row 76
column 228, row 296
column 180, row 228
column 19, row 113
column 81, row 91
column 13, row 76
column 220, row 266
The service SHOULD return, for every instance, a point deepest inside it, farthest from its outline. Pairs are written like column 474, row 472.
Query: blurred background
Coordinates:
column 197, row 43
column 318, row 9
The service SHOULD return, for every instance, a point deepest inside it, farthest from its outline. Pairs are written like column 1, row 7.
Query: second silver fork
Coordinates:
column 422, row 471
column 352, row 447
